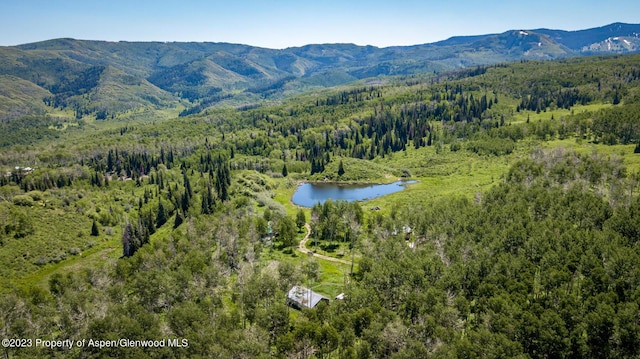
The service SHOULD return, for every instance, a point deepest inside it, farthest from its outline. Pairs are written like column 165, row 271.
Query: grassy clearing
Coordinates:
column 558, row 113
column 332, row 276
column 92, row 258
column 357, row 170
column 443, row 173
column 625, row 152
column 283, row 193
column 56, row 235
column 57, row 224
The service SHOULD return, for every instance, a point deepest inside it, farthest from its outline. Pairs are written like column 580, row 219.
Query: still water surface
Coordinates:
column 308, row 194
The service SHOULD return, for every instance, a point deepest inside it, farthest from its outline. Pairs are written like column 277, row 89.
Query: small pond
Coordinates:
column 308, row 194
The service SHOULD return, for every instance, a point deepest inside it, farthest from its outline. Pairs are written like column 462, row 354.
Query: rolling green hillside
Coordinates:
column 203, row 75
column 19, row 97
column 523, row 237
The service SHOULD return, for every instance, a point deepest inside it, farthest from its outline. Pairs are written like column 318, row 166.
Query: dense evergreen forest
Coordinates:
column 520, row 239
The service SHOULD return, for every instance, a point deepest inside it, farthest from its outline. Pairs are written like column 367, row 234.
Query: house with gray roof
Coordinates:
column 300, row 297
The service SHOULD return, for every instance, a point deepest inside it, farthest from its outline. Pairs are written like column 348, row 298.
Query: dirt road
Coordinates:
column 302, row 247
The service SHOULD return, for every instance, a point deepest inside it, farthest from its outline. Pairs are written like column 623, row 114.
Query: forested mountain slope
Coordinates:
column 195, row 76
column 523, row 237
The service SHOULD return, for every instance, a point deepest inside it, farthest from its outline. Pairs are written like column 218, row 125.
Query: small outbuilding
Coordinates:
column 301, row 297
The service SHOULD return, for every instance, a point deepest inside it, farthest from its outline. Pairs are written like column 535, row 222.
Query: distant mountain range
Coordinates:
column 107, row 79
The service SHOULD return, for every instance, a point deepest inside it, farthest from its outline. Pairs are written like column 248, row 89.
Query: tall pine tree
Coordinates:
column 340, row 169
column 162, row 214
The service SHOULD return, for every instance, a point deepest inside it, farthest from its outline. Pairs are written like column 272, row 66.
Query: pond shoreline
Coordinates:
column 309, row 193
column 356, row 182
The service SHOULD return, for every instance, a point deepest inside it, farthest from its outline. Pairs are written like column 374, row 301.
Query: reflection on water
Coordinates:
column 309, row 194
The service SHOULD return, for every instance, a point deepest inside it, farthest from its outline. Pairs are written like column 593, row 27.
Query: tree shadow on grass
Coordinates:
column 329, row 247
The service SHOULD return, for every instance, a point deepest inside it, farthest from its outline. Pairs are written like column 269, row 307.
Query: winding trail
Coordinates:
column 302, row 247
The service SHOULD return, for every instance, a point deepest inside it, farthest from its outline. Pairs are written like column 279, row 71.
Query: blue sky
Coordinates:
column 280, row 24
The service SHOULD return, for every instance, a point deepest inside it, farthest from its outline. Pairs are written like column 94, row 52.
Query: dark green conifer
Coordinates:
column 94, row 229
column 340, row 169
column 162, row 215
